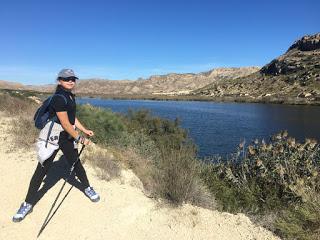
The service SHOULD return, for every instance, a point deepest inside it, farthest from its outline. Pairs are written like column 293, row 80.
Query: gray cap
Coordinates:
column 66, row 73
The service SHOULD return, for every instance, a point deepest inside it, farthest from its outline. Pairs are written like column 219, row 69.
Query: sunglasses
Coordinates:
column 73, row 79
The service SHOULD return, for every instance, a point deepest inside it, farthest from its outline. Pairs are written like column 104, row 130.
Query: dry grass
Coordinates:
column 14, row 106
column 24, row 132
column 141, row 166
column 21, row 110
column 174, row 176
column 177, row 178
column 103, row 161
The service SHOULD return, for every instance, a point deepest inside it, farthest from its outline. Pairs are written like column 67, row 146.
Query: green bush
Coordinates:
column 106, row 124
column 301, row 221
column 162, row 131
column 138, row 141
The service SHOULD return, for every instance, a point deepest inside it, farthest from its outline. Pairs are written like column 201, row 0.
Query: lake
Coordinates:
column 218, row 128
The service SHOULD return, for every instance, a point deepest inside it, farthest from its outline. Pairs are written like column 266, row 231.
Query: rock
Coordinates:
column 304, row 95
column 35, row 99
column 303, row 54
column 277, row 66
column 307, row 43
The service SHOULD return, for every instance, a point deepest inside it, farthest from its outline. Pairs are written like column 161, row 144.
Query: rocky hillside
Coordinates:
column 170, row 84
column 293, row 77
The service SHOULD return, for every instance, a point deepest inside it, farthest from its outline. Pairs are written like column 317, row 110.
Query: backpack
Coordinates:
column 41, row 117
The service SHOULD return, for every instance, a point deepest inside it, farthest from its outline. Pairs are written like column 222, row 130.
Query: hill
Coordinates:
column 11, row 85
column 169, row 84
column 294, row 77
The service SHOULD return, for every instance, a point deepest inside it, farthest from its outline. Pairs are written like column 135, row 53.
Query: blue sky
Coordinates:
column 122, row 39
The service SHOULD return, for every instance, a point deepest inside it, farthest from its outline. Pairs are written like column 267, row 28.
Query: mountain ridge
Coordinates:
column 292, row 77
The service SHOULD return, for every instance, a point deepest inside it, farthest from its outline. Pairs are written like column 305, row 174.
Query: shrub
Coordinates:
column 160, row 130
column 177, row 174
column 104, row 123
column 278, row 177
column 269, row 175
column 301, row 221
column 139, row 142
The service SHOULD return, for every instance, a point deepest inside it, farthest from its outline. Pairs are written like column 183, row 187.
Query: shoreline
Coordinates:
column 223, row 99
column 226, row 99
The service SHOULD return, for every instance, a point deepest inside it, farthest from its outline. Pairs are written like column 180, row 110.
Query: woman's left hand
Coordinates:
column 89, row 133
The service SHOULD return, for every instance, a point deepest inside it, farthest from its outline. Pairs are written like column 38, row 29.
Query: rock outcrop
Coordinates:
column 294, row 77
column 307, row 43
column 300, row 56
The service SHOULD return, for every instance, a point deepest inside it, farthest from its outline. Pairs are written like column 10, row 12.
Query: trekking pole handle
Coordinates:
column 74, row 164
column 83, row 146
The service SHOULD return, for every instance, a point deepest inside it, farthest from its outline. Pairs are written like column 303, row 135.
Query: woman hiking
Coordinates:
column 62, row 106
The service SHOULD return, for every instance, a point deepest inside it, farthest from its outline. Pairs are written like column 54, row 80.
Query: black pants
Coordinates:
column 70, row 153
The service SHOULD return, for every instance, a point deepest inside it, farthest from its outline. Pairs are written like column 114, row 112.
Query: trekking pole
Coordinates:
column 48, row 218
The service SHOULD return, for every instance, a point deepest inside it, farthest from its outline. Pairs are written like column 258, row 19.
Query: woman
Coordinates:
column 64, row 107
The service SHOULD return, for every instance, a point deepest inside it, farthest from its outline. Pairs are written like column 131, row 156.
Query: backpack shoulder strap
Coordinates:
column 49, row 132
column 65, row 99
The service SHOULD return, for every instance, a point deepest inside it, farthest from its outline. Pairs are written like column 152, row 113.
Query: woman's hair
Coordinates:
column 58, row 86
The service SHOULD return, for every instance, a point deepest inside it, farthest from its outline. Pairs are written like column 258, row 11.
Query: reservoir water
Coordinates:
column 218, row 128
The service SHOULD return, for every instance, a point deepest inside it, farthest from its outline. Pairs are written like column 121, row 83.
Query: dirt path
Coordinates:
column 124, row 212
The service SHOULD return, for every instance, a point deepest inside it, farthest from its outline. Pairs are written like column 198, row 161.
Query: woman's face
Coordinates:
column 68, row 85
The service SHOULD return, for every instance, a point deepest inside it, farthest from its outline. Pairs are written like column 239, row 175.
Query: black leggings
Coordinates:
column 71, row 154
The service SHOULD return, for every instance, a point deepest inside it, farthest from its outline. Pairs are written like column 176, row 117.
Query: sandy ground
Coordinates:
column 123, row 212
